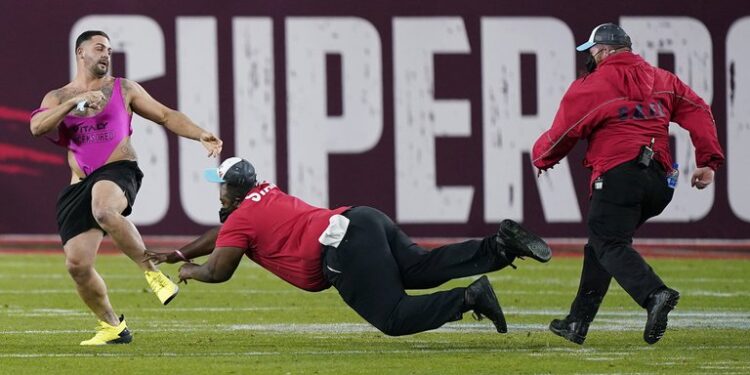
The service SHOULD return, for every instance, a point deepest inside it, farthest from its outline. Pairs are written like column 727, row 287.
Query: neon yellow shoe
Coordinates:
column 164, row 288
column 107, row 334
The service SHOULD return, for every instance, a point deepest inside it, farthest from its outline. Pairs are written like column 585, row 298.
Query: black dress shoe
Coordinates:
column 522, row 243
column 480, row 297
column 573, row 331
column 660, row 304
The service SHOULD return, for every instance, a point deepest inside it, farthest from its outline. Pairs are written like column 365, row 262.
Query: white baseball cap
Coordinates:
column 235, row 170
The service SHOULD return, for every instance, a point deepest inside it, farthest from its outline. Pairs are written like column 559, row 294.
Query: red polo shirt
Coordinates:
column 280, row 233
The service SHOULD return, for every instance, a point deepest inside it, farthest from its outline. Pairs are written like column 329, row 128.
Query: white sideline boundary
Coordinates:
column 606, row 321
column 585, row 352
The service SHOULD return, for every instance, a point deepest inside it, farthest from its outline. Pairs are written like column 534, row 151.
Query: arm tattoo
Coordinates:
column 126, row 88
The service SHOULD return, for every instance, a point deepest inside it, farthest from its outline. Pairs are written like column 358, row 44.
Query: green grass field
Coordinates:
column 256, row 323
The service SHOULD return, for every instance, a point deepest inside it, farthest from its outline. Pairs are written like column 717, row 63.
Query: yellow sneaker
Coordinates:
column 107, row 334
column 164, row 288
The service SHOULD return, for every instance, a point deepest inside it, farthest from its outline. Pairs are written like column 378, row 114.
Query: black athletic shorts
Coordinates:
column 74, row 214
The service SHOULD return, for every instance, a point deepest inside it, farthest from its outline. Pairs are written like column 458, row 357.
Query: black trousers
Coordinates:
column 376, row 262
column 629, row 196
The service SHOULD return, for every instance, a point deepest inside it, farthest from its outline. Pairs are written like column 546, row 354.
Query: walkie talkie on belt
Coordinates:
column 646, row 155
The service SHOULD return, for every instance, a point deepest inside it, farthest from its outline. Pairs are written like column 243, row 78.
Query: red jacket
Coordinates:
column 620, row 107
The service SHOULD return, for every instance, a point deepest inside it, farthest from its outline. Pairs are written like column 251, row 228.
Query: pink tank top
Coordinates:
column 93, row 139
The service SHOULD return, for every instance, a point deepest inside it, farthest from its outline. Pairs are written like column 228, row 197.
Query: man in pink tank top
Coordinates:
column 92, row 116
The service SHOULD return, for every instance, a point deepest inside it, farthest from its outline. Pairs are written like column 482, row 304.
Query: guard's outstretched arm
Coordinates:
column 219, row 268
column 202, row 245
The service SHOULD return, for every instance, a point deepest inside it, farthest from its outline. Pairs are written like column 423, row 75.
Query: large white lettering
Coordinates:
column 690, row 43
column 420, row 118
column 313, row 134
column 198, row 98
column 738, row 117
column 507, row 132
column 254, row 110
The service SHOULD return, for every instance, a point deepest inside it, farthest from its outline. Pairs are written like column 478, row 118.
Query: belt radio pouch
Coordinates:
column 646, row 155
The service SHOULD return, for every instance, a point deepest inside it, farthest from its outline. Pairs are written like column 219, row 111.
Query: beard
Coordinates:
column 99, row 67
column 590, row 64
column 224, row 213
column 100, row 71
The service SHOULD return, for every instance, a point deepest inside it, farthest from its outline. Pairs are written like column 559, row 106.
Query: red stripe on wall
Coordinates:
column 13, row 114
column 11, row 152
column 18, row 169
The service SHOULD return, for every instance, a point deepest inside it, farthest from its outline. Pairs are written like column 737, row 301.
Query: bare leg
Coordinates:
column 107, row 203
column 80, row 252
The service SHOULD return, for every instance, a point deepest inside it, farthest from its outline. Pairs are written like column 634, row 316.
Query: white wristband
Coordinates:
column 181, row 256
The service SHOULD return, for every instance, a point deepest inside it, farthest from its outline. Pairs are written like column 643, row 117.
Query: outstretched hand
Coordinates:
column 159, row 257
column 702, row 177
column 212, row 143
column 186, row 272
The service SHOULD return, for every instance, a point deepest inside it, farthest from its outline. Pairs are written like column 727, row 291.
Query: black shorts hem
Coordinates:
column 74, row 214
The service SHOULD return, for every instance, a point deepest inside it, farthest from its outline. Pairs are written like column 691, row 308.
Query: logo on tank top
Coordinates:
column 257, row 196
column 96, row 133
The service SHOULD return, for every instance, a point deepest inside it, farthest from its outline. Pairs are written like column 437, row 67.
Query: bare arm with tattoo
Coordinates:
column 145, row 105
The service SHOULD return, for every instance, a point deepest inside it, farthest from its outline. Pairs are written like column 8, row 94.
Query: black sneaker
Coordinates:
column 480, row 297
column 125, row 338
column 573, row 331
column 522, row 243
column 660, row 304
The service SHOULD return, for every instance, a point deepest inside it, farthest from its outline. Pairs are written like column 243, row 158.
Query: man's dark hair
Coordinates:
column 615, row 47
column 86, row 35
